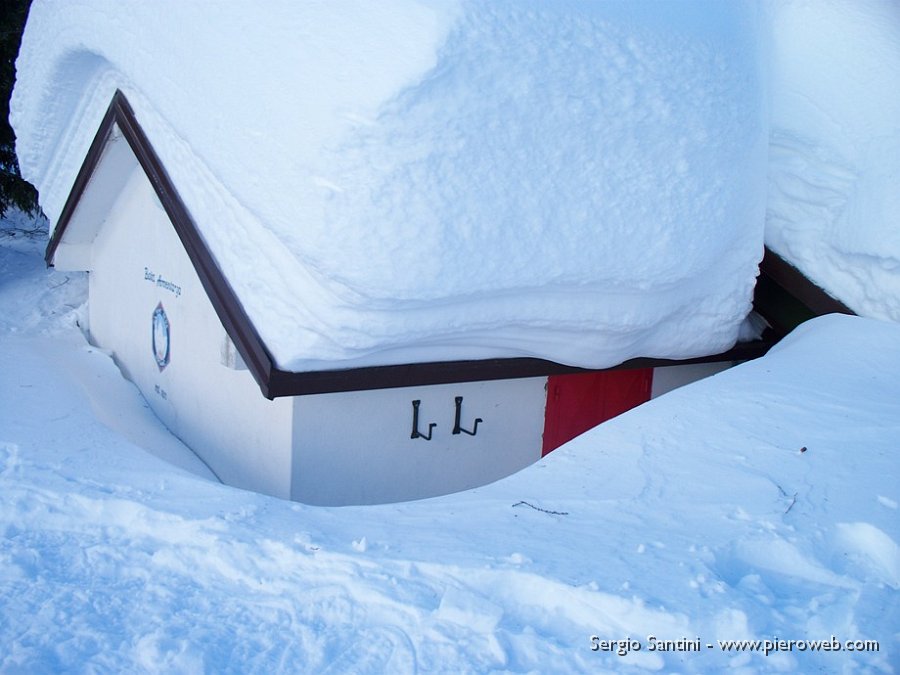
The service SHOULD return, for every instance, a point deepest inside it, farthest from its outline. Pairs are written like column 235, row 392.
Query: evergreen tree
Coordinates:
column 14, row 191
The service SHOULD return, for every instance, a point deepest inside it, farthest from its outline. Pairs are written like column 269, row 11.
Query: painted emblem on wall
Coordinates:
column 161, row 337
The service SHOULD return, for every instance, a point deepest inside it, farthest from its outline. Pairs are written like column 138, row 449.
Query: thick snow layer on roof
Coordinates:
column 417, row 181
column 834, row 202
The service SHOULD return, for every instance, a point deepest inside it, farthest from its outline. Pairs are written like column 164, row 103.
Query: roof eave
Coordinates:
column 274, row 382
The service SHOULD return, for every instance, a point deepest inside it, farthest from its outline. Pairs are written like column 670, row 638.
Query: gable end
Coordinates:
column 229, row 310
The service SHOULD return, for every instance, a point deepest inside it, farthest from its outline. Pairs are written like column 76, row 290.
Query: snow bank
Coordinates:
column 426, row 181
column 834, row 206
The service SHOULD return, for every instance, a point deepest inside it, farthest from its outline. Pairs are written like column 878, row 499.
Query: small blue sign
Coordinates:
column 161, row 337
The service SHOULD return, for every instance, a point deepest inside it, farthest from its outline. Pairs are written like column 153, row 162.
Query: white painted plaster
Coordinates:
column 218, row 411
column 671, row 377
column 355, row 448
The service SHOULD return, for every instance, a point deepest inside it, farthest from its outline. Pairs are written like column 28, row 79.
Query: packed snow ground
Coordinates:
column 697, row 515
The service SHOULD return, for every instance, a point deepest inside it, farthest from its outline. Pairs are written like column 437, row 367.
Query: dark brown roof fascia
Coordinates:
column 799, row 286
column 275, row 382
column 230, row 311
column 451, row 372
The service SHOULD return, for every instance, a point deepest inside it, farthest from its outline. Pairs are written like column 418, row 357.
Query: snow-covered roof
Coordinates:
column 412, row 182
column 834, row 202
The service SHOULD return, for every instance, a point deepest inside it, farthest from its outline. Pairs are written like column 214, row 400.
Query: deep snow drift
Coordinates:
column 420, row 181
column 758, row 504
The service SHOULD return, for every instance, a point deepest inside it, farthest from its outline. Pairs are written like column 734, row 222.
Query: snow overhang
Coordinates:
column 107, row 164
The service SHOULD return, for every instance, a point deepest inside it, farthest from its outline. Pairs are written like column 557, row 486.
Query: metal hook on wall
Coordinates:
column 457, row 428
column 415, row 424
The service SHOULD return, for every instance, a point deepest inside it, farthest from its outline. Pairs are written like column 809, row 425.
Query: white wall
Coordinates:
column 217, row 411
column 671, row 377
column 355, row 448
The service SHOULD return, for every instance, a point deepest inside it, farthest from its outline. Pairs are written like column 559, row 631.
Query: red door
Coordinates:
column 576, row 403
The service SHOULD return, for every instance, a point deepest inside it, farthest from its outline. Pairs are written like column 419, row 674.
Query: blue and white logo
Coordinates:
column 161, row 341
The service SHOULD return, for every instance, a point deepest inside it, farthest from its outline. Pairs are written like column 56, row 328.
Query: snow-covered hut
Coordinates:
column 361, row 252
